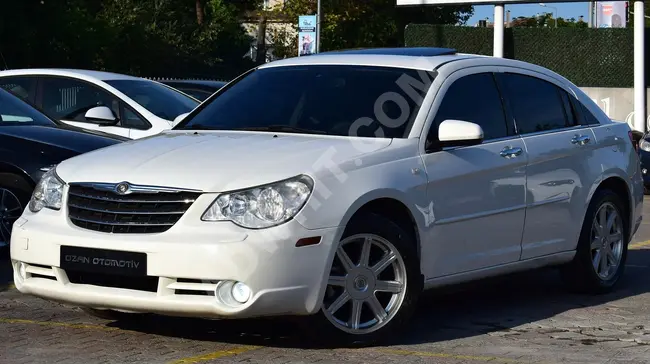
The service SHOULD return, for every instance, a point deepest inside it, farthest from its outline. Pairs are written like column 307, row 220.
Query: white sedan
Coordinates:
column 128, row 106
column 358, row 180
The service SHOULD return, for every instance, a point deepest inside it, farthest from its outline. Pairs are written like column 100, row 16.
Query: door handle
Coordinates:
column 580, row 139
column 510, row 152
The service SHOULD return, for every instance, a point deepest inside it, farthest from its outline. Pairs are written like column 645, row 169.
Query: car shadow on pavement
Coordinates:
column 497, row 304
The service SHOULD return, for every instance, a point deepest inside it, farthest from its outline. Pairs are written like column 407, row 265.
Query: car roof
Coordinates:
column 68, row 72
column 419, row 58
column 424, row 58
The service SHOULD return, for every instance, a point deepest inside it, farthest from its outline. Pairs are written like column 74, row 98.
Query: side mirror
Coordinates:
column 101, row 115
column 458, row 133
column 179, row 118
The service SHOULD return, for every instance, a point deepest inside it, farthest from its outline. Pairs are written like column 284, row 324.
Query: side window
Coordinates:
column 537, row 105
column 587, row 117
column 474, row 98
column 570, row 113
column 69, row 99
column 22, row 87
column 131, row 120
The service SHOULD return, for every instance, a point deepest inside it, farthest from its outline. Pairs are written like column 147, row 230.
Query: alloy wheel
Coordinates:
column 366, row 286
column 10, row 210
column 607, row 241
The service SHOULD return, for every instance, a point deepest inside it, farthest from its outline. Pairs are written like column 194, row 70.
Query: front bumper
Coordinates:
column 184, row 266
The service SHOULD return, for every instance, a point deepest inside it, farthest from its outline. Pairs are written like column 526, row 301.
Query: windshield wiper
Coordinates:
column 281, row 129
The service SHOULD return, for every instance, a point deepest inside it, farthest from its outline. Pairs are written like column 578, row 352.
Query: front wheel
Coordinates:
column 374, row 283
column 14, row 196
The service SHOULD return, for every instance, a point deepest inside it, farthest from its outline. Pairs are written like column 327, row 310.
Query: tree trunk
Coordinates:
column 199, row 12
column 261, row 39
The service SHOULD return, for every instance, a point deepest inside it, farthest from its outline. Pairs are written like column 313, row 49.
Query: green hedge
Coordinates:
column 586, row 56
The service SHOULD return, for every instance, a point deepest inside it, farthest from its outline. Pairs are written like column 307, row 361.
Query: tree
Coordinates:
column 547, row 20
column 354, row 23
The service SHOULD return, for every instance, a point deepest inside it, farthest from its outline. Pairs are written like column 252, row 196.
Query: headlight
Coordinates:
column 48, row 192
column 263, row 206
column 645, row 145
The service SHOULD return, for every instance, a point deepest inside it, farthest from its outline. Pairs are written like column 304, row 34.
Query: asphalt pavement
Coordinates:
column 524, row 318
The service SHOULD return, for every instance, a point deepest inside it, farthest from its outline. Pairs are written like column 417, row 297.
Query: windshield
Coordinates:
column 340, row 100
column 14, row 111
column 160, row 100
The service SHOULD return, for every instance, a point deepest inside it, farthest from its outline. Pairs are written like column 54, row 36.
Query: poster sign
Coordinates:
column 306, row 35
column 610, row 14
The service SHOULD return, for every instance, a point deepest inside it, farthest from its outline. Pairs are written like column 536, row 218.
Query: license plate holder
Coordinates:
column 113, row 262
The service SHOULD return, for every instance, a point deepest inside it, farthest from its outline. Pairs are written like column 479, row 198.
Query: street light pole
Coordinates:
column 552, row 7
column 318, row 27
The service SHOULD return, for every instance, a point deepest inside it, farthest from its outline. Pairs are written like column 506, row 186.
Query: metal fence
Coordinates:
column 589, row 57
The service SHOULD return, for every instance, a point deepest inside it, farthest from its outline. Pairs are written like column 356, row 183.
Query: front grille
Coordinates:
column 148, row 283
column 136, row 213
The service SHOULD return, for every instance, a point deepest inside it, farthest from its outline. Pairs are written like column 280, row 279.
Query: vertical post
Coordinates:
column 590, row 18
column 498, row 30
column 318, row 9
column 639, row 71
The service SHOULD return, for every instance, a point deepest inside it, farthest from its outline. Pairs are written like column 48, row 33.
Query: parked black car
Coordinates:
column 199, row 89
column 644, row 157
column 30, row 144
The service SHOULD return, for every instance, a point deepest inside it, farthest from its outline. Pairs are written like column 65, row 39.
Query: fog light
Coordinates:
column 232, row 293
column 644, row 171
column 22, row 270
column 240, row 292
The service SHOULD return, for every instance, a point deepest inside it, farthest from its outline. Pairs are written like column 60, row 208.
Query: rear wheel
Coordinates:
column 602, row 249
column 374, row 283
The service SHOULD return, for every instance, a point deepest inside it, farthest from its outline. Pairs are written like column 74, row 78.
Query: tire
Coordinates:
column 580, row 274
column 16, row 191
column 360, row 285
column 110, row 315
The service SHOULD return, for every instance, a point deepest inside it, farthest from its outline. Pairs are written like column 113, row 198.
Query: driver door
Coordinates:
column 476, row 194
column 68, row 99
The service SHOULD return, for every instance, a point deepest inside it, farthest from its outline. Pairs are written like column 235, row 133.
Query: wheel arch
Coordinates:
column 6, row 168
column 617, row 184
column 391, row 205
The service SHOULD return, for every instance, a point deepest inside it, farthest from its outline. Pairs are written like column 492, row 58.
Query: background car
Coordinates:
column 644, row 159
column 129, row 106
column 30, row 144
column 199, row 89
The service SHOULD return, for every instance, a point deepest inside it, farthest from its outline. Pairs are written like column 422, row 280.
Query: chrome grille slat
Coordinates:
column 126, row 212
column 109, row 199
column 151, row 211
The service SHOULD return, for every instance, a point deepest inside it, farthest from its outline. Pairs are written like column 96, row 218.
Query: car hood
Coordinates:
column 74, row 139
column 215, row 161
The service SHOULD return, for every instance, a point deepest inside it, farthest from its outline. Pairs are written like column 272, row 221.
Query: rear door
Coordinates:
column 558, row 177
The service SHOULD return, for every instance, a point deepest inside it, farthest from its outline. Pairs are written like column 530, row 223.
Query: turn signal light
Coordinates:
column 308, row 241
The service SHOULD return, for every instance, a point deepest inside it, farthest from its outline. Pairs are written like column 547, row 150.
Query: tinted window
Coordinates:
column 587, row 117
column 22, row 87
column 69, row 99
column 132, row 120
column 474, row 98
column 160, row 100
column 13, row 111
column 536, row 104
column 328, row 99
